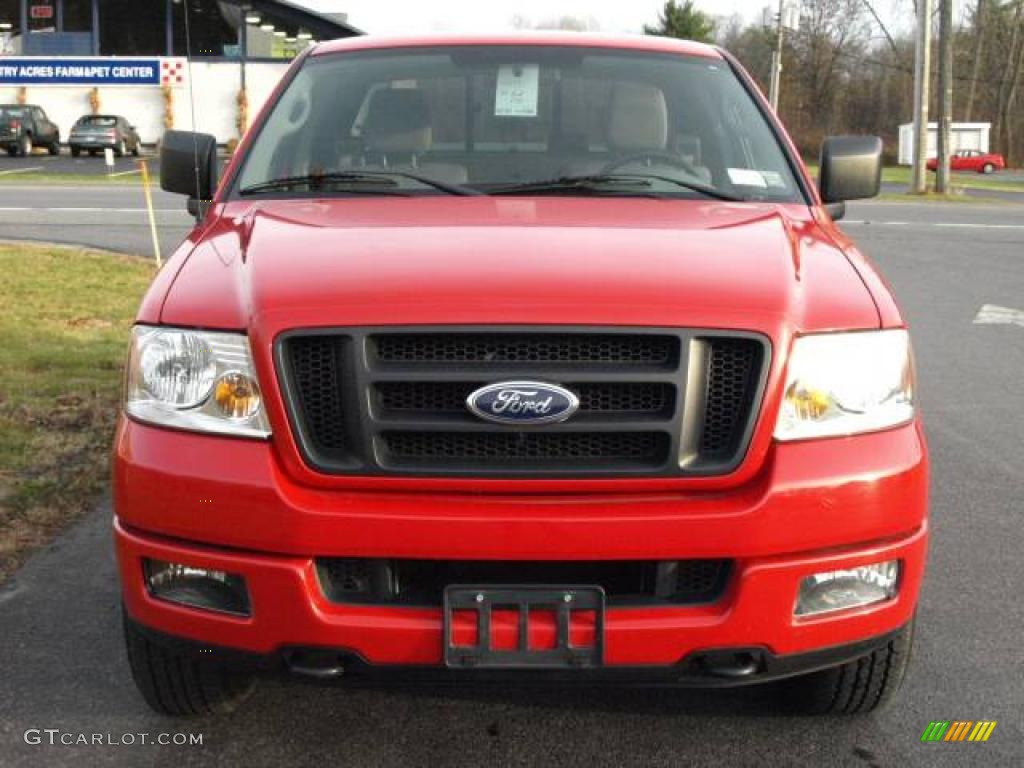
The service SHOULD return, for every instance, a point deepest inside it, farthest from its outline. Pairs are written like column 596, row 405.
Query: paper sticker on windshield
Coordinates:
column 516, row 94
column 744, row 177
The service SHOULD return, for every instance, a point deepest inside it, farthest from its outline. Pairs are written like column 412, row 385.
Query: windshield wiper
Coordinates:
column 604, row 182
column 383, row 180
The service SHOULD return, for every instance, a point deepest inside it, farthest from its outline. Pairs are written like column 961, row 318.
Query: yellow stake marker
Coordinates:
column 152, row 213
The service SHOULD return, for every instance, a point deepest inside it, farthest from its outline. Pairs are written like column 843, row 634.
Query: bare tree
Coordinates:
column 979, row 44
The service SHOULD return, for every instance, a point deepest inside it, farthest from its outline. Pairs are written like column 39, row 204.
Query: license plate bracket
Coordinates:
column 562, row 601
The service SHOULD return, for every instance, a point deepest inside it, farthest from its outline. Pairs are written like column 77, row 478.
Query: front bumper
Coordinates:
column 710, row 668
column 226, row 504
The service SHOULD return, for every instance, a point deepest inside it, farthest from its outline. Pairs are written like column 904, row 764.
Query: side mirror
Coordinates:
column 851, row 168
column 188, row 166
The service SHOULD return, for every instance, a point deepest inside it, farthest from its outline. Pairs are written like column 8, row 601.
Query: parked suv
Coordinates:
column 26, row 126
column 535, row 358
column 93, row 133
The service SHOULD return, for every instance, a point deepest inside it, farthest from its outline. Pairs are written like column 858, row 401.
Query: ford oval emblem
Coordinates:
column 523, row 402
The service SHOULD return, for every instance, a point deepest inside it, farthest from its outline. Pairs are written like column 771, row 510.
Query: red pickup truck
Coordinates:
column 521, row 357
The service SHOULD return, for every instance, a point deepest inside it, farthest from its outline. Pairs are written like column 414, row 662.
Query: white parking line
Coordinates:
column 965, row 225
column 20, row 170
column 993, row 314
column 944, row 224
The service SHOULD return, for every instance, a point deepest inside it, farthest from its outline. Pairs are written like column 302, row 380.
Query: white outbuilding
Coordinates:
column 964, row 136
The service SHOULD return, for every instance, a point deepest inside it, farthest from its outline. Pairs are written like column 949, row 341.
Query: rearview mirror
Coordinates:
column 188, row 165
column 851, row 168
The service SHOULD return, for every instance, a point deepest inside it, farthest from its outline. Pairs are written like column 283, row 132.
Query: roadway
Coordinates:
column 112, row 216
column 62, row 664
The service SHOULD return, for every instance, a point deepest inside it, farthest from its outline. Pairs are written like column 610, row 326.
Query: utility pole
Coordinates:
column 773, row 88
column 788, row 17
column 922, row 74
column 945, row 95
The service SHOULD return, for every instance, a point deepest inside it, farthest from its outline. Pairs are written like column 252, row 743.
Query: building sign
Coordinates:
column 91, row 71
column 41, row 12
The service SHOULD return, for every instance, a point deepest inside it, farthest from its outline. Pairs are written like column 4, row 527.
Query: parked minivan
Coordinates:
column 533, row 358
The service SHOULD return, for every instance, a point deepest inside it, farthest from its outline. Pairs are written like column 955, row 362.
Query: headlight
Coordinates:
column 845, row 383
column 194, row 380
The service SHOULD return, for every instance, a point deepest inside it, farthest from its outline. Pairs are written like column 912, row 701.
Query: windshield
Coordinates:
column 98, row 121
column 491, row 119
column 12, row 112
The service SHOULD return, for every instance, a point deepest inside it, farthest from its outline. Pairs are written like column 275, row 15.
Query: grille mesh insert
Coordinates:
column 316, row 370
column 422, row 582
column 506, row 447
column 527, row 348
column 732, row 374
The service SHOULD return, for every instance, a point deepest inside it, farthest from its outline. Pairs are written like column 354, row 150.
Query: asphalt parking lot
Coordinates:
column 62, row 665
column 86, row 165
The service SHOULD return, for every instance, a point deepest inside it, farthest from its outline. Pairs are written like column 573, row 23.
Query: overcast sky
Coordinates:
column 390, row 16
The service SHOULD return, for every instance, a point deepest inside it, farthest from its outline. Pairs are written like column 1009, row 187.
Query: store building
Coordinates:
column 137, row 58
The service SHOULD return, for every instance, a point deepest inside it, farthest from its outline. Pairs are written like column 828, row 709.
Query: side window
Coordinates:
column 40, row 115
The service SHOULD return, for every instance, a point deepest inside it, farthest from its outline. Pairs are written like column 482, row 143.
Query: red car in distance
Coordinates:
column 972, row 160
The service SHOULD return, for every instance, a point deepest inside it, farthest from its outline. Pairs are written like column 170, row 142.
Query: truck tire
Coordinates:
column 76, row 151
column 857, row 687
column 180, row 685
column 54, row 148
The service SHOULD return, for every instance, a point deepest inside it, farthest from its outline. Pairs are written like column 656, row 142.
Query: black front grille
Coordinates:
column 393, row 402
column 422, row 582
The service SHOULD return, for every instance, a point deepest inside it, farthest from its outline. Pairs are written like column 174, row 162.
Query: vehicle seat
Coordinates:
column 637, row 123
column 398, row 132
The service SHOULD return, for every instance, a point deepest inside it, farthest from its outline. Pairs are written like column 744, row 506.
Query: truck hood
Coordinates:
column 272, row 265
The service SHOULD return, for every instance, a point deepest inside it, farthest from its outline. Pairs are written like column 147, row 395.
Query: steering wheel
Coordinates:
column 664, row 157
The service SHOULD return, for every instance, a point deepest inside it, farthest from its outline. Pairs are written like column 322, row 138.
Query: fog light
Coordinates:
column 851, row 588
column 197, row 587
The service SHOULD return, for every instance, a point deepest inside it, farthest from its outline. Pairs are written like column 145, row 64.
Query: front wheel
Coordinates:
column 76, row 151
column 54, row 148
column 176, row 683
column 988, row 168
column 856, row 687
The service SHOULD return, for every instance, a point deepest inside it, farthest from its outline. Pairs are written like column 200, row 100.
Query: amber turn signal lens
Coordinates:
column 237, row 396
column 808, row 404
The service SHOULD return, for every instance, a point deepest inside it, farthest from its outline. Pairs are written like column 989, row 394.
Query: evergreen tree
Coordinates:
column 683, row 21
